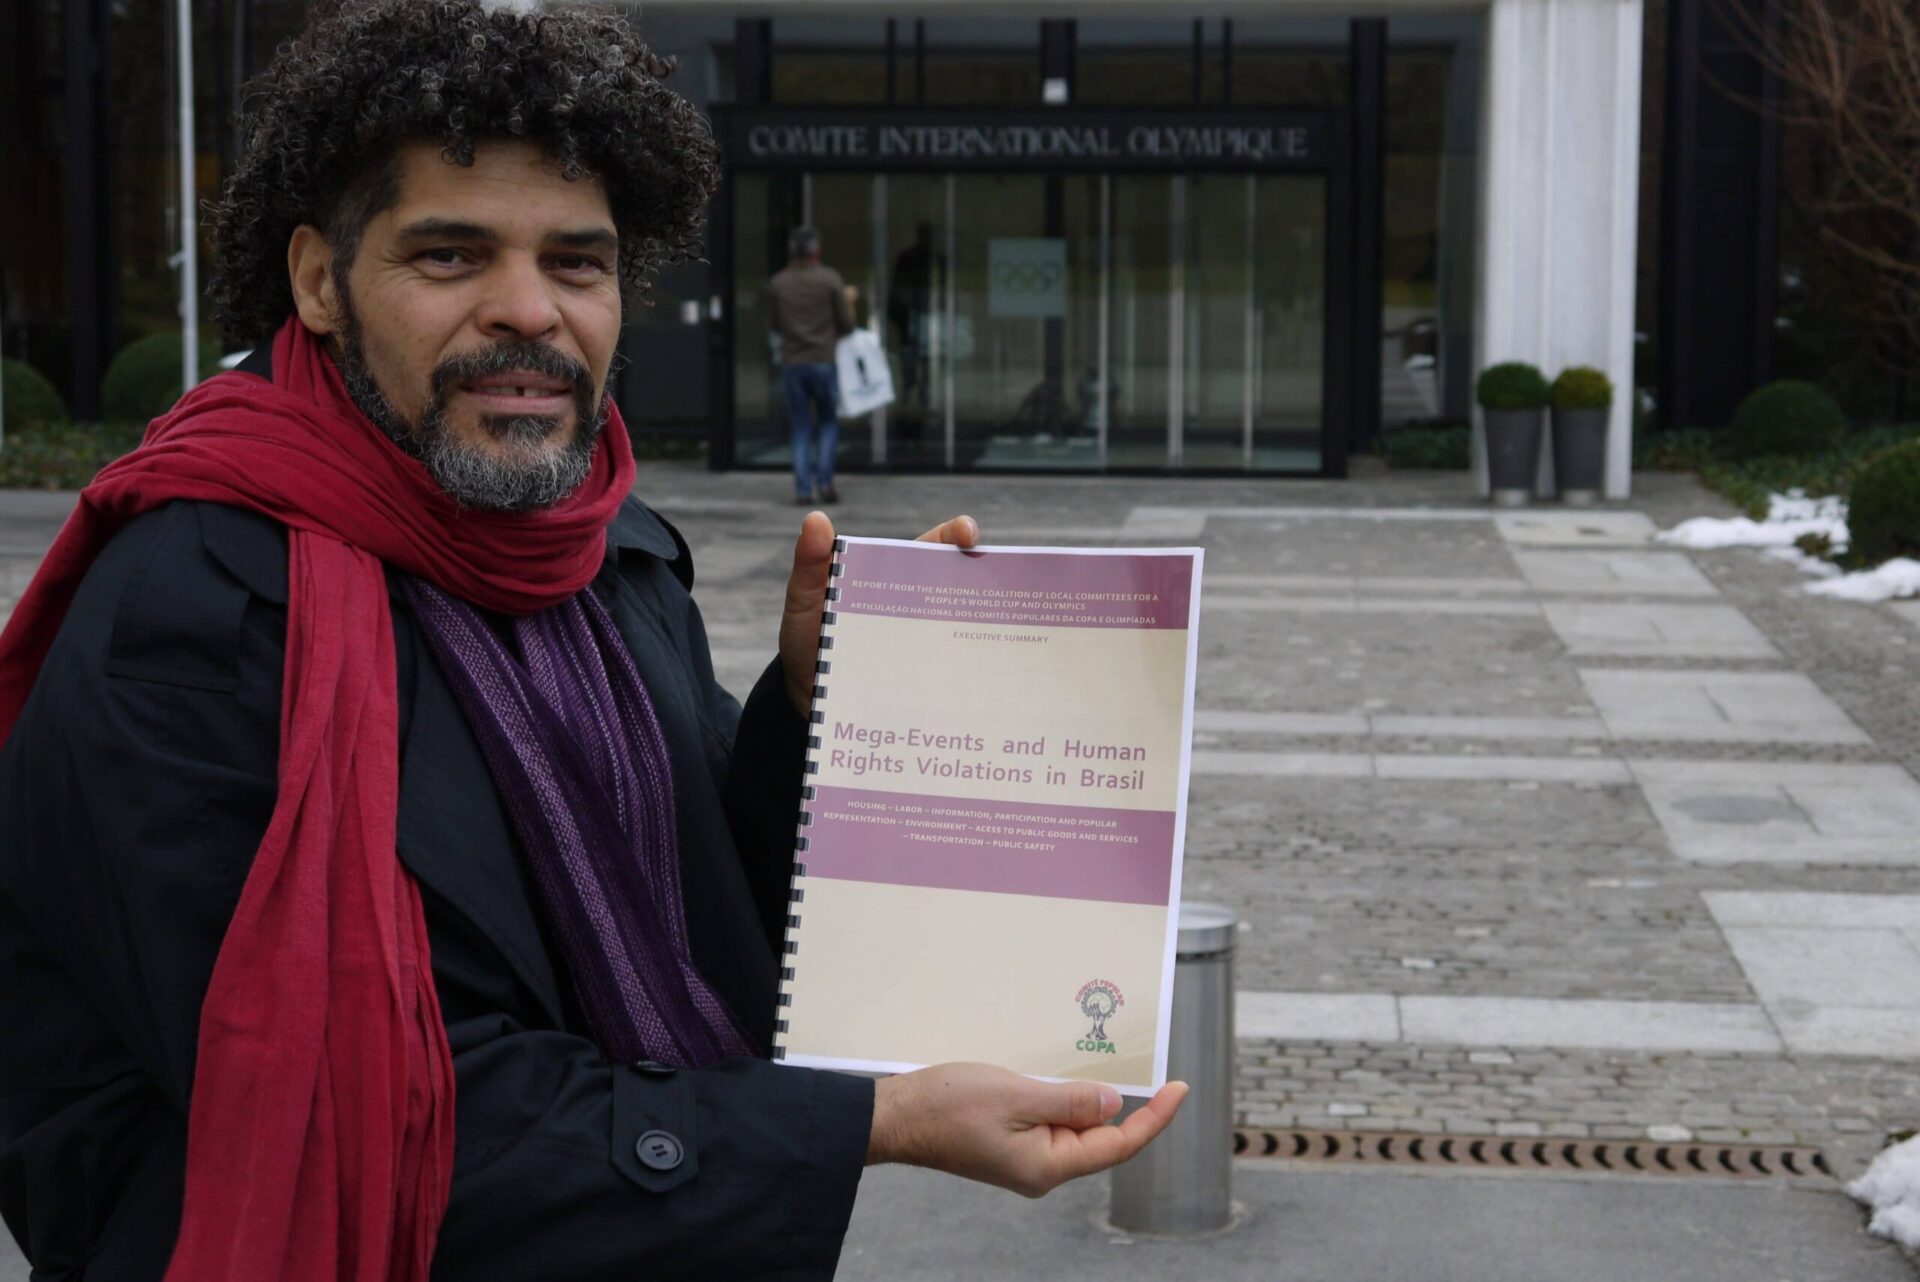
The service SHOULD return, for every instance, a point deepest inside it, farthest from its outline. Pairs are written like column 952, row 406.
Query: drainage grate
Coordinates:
column 1503, row 1153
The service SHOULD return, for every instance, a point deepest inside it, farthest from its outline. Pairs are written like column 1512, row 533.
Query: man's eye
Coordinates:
column 577, row 264
column 445, row 257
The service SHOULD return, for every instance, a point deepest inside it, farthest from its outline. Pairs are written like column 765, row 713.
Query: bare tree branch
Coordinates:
column 1848, row 76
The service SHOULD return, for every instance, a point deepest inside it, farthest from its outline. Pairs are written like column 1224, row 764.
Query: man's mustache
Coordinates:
column 507, row 358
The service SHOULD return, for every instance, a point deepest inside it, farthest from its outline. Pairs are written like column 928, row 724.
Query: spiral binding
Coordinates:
column 796, row 892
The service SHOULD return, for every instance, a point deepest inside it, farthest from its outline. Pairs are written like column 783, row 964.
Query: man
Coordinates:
column 388, row 889
column 811, row 310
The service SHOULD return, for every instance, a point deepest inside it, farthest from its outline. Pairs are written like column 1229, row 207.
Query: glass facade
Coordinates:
column 1041, row 321
column 89, row 92
column 1187, row 327
column 1430, row 140
column 978, row 62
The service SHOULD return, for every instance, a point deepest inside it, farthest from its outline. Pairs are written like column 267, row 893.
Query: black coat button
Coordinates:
column 659, row 1151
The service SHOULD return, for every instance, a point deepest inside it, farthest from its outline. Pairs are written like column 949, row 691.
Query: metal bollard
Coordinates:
column 1182, row 1184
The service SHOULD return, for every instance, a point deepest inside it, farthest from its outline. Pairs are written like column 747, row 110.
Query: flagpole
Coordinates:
column 189, row 227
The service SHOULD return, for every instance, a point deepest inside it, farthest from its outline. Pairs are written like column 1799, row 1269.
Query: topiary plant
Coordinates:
column 31, row 401
column 1512, row 385
column 1582, row 388
column 143, row 381
column 1788, row 417
column 1883, row 509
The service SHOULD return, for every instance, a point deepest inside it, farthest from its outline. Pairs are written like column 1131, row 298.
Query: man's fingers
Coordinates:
column 961, row 531
column 812, row 558
column 1149, row 1121
column 1077, row 1105
column 1100, row 1147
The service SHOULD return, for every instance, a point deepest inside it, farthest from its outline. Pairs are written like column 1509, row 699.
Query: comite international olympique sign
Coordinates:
column 884, row 139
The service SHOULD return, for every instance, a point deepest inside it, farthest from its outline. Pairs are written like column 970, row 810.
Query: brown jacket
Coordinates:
column 809, row 310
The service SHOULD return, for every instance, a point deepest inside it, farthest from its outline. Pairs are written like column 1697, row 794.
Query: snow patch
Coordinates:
column 1891, row 1187
column 1790, row 517
column 1899, row 577
column 1802, row 562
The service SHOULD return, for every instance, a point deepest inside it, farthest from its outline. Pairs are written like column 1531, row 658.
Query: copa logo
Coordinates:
column 1098, row 999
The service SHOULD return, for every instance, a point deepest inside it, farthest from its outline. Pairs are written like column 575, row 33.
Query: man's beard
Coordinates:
column 521, row 481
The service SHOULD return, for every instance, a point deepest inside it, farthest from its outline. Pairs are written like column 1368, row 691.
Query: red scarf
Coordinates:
column 320, row 1135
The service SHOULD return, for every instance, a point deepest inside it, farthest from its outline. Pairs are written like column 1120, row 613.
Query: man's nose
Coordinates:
column 518, row 302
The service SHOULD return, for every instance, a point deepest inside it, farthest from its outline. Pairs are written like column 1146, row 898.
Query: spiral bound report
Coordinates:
column 797, row 891
column 987, row 853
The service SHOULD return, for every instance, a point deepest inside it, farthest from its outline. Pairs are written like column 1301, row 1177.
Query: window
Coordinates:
column 829, row 60
column 981, row 62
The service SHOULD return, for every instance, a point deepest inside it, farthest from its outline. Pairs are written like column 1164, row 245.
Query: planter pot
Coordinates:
column 1579, row 455
column 1513, row 454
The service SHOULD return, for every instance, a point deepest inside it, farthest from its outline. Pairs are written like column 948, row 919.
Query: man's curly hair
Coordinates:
column 324, row 122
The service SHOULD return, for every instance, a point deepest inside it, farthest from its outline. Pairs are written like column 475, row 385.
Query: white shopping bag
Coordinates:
column 866, row 383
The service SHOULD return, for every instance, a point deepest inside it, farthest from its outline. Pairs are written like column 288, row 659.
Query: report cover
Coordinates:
column 988, row 859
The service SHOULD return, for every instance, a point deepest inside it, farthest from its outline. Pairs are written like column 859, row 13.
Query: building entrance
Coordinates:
column 1119, row 319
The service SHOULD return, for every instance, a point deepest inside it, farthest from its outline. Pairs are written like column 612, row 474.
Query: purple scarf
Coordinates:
column 575, row 748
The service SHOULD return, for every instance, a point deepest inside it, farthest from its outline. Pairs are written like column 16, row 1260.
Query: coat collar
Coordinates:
column 637, row 527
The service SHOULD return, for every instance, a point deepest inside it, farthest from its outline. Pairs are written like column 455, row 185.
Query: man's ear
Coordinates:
column 310, row 272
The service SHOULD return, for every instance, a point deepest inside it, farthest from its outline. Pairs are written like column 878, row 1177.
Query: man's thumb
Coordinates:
column 1081, row 1104
column 812, row 559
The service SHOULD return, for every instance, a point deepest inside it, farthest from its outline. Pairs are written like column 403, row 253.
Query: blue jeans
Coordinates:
column 811, row 390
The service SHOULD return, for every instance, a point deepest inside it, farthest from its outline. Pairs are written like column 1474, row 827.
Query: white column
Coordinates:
column 1559, row 200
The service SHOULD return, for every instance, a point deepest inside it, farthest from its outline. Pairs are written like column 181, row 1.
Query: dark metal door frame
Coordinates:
column 1341, row 320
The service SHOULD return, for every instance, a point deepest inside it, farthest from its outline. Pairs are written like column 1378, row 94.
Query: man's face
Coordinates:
column 478, row 321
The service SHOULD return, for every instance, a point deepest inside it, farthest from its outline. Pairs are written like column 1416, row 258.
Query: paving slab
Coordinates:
column 1494, row 769
column 1419, row 546
column 1355, row 603
column 1784, row 812
column 1237, row 721
column 1284, row 765
column 1575, row 529
column 1368, row 585
column 1816, row 966
column 1849, row 1030
column 1805, row 908
column 1612, row 1025
column 1838, row 973
column 1329, row 1017
column 1308, row 1225
column 1388, row 765
column 1718, row 707
column 1615, row 573
column 1164, row 525
column 1657, row 631
column 1469, row 727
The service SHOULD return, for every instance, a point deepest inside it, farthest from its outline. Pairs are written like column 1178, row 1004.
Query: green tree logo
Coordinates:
column 1099, row 1000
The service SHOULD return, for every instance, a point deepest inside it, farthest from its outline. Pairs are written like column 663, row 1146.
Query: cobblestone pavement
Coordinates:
column 1345, row 603
column 1408, row 784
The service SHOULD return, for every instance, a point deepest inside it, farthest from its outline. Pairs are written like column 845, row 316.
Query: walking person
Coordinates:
column 811, row 309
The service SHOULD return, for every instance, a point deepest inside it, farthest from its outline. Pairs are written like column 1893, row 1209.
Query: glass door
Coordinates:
column 1140, row 337
column 1288, row 274
column 917, row 251
column 1025, row 360
column 1216, row 323
column 1081, row 322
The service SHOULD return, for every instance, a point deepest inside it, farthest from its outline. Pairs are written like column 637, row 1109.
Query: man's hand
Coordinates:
column 807, row 595
column 995, row 1126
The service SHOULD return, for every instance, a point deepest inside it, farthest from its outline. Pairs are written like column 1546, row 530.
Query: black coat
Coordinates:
column 133, row 794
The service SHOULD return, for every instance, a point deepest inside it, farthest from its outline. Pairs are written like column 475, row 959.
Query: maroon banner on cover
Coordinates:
column 957, row 843
column 1016, row 588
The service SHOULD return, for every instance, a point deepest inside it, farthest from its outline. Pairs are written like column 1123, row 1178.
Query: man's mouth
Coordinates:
column 520, row 392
